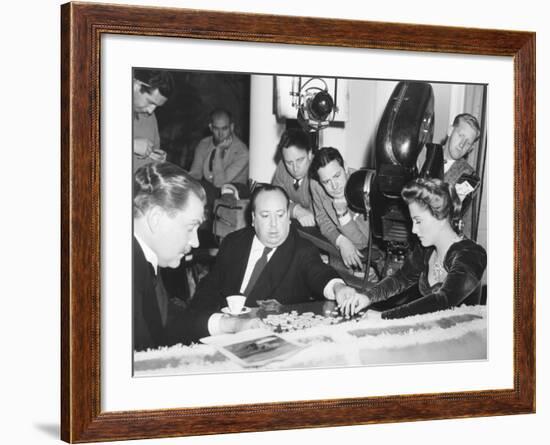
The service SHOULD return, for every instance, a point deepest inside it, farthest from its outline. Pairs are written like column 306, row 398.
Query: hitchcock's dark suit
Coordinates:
column 294, row 274
column 148, row 329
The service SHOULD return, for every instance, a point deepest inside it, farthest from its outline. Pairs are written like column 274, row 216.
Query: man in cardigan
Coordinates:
column 292, row 174
column 151, row 89
column 345, row 229
column 268, row 260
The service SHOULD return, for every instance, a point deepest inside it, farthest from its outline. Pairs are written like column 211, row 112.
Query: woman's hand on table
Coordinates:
column 349, row 300
column 343, row 293
column 353, row 304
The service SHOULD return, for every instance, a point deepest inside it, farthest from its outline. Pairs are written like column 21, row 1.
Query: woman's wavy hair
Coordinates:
column 165, row 185
column 438, row 197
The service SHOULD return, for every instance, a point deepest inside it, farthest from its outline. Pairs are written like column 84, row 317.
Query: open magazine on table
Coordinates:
column 254, row 348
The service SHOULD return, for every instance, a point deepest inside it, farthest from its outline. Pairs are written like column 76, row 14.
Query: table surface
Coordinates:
column 451, row 335
column 318, row 307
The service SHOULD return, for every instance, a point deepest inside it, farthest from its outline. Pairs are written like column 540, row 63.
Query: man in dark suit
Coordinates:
column 168, row 209
column 291, row 271
column 157, row 320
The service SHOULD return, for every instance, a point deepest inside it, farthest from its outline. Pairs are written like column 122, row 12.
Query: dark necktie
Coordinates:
column 162, row 298
column 213, row 155
column 211, row 160
column 260, row 264
column 296, row 184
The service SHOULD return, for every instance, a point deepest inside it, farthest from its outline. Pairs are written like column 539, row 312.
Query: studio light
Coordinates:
column 316, row 107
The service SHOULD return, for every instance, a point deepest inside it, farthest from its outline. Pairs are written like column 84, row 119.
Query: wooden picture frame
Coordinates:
column 82, row 26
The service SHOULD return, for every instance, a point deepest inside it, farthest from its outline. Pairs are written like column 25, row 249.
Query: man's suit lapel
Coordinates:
column 275, row 270
column 149, row 303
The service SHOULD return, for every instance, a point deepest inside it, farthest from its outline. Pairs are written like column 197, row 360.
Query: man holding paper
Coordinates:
column 463, row 134
column 151, row 89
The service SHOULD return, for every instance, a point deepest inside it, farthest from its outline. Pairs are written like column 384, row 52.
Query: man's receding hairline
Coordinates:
column 270, row 191
column 220, row 113
column 305, row 150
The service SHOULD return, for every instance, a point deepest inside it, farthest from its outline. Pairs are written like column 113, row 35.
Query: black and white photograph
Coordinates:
column 180, row 139
column 306, row 221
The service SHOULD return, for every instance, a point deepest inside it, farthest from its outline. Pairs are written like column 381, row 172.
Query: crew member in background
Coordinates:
column 151, row 89
column 347, row 230
column 463, row 134
column 221, row 158
column 292, row 174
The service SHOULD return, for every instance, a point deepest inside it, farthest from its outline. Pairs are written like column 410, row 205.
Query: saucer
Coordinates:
column 244, row 310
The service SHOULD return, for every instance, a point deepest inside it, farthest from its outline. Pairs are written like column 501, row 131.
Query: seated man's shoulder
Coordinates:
column 304, row 245
column 239, row 144
column 281, row 169
column 237, row 237
column 319, row 195
column 281, row 176
column 204, row 143
column 463, row 166
column 315, row 187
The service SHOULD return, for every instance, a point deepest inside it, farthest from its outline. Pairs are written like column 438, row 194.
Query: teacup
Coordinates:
column 235, row 303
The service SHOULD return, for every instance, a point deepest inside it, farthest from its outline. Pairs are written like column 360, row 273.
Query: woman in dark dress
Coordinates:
column 448, row 267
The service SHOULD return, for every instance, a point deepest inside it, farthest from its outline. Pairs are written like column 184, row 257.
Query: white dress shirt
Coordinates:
column 255, row 253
